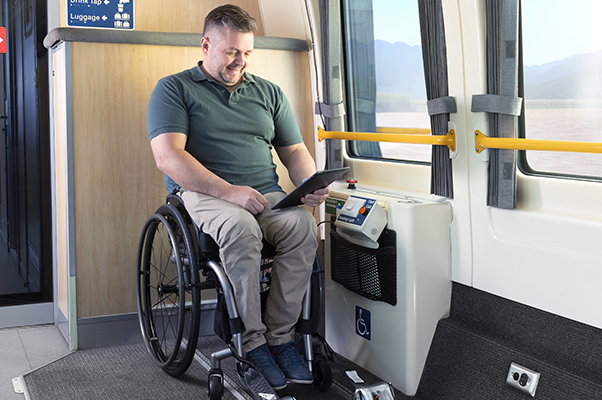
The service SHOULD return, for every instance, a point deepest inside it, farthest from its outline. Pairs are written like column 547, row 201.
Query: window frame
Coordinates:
column 350, row 101
column 522, row 161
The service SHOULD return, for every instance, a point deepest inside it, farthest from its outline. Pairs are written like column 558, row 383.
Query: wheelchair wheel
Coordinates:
column 216, row 386
column 168, row 290
column 322, row 374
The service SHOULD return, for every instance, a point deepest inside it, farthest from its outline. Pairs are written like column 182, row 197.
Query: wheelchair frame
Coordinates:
column 172, row 255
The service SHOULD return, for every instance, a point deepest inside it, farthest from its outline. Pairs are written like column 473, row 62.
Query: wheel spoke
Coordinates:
column 170, row 325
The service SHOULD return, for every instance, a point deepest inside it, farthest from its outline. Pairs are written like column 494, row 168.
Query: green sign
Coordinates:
column 332, row 204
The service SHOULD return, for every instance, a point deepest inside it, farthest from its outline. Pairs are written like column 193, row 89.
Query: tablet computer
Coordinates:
column 317, row 181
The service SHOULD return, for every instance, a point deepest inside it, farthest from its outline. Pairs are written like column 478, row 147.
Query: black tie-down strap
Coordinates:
column 224, row 326
column 363, row 391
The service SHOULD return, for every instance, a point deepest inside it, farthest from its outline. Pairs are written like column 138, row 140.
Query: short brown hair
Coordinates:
column 230, row 16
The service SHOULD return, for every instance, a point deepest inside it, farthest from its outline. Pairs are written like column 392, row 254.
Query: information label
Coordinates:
column 363, row 323
column 106, row 14
column 333, row 204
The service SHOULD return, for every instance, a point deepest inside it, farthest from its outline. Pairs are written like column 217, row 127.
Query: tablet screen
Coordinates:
column 318, row 180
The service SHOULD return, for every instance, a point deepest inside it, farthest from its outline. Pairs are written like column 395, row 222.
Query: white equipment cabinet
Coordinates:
column 388, row 328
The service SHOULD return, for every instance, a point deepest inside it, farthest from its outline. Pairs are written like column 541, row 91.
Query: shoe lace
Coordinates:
column 289, row 356
column 261, row 359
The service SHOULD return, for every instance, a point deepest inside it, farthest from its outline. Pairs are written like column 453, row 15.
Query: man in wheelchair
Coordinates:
column 211, row 130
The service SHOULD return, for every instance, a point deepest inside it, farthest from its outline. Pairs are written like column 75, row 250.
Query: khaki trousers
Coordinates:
column 292, row 231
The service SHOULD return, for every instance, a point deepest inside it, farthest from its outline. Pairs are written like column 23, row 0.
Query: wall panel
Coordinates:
column 60, row 182
column 116, row 183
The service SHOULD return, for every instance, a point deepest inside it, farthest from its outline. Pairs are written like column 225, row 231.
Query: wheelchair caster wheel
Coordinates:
column 322, row 374
column 216, row 385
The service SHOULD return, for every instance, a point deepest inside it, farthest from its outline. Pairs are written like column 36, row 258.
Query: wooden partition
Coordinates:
column 116, row 185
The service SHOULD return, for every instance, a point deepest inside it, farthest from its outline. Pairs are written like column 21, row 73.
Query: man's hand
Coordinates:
column 316, row 198
column 246, row 197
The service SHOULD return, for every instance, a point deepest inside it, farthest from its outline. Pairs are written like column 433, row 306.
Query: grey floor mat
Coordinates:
column 120, row 372
column 127, row 372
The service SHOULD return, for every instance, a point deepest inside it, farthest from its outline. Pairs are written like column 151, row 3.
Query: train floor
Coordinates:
column 469, row 359
column 47, row 370
column 25, row 349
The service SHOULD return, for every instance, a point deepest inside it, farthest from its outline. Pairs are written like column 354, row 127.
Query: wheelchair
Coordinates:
column 175, row 262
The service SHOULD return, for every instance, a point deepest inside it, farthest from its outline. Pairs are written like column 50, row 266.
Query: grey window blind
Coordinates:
column 501, row 101
column 332, row 109
column 439, row 105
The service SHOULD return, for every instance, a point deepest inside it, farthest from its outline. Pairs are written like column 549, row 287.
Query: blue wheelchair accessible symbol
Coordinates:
column 362, row 322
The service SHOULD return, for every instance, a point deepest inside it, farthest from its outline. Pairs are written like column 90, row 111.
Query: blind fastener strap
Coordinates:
column 441, row 105
column 330, row 110
column 493, row 103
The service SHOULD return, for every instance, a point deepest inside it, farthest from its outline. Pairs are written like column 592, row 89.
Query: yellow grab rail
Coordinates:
column 407, row 131
column 484, row 142
column 416, row 137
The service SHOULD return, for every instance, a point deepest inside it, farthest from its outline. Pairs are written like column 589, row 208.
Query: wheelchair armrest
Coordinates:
column 207, row 245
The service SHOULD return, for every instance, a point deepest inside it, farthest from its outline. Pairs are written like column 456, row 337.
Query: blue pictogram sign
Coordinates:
column 108, row 14
column 362, row 323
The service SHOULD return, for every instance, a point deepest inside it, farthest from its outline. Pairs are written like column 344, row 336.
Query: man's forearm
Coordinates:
column 298, row 162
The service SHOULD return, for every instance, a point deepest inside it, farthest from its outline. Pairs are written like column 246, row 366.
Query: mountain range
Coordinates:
column 575, row 77
column 399, row 71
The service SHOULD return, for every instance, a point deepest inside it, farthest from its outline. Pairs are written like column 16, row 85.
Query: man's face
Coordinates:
column 227, row 54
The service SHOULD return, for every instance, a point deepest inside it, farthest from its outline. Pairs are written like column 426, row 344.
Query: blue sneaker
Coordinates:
column 265, row 364
column 290, row 362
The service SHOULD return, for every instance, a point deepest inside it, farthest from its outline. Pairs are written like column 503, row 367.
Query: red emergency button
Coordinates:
column 351, row 183
column 2, row 40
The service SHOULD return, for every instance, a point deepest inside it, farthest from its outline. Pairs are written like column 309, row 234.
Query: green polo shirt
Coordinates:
column 231, row 134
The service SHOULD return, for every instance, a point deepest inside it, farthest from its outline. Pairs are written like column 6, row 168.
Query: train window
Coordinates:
column 562, row 56
column 385, row 75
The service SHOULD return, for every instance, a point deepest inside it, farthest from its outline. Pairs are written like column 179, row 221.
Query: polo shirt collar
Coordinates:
column 199, row 75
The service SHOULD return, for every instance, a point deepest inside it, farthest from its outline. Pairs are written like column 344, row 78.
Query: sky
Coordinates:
column 396, row 21
column 556, row 29
column 552, row 29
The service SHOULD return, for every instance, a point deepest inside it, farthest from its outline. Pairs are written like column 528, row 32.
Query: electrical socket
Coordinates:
column 523, row 378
